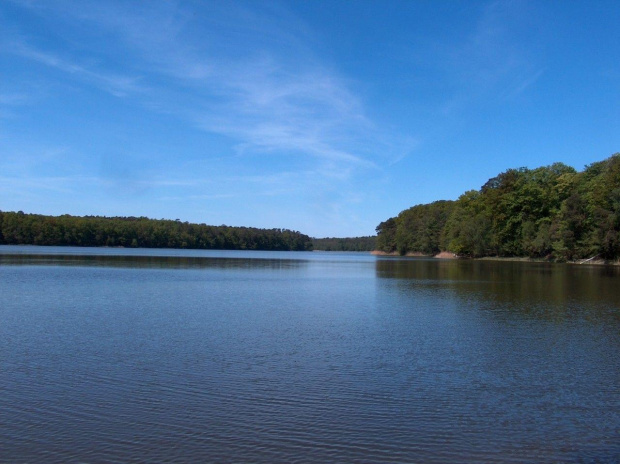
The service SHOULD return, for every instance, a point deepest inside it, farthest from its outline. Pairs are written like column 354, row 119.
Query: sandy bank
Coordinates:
column 417, row 254
column 446, row 255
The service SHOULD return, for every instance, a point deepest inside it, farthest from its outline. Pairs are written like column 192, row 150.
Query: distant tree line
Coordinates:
column 95, row 231
column 550, row 212
column 345, row 244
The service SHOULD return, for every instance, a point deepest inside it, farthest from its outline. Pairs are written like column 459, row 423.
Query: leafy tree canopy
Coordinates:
column 551, row 211
column 35, row 229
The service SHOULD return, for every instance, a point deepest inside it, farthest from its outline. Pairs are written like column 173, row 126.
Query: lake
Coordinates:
column 134, row 355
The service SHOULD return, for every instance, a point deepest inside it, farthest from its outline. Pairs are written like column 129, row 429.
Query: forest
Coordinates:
column 17, row 228
column 345, row 244
column 551, row 212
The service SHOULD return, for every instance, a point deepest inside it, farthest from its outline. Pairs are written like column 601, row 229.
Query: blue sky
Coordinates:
column 325, row 117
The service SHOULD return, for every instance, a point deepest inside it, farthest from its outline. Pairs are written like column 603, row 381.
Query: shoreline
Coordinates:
column 417, row 254
column 451, row 256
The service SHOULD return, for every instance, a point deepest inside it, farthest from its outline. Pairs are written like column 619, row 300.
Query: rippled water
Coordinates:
column 111, row 355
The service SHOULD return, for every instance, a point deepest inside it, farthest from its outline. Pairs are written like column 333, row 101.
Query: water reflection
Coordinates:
column 545, row 290
column 154, row 262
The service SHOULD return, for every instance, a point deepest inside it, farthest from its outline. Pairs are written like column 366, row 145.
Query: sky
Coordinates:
column 326, row 117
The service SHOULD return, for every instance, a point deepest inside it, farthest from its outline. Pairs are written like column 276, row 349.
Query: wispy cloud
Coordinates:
column 262, row 98
column 13, row 99
column 271, row 108
column 59, row 184
column 521, row 83
column 27, row 159
column 10, row 101
column 215, row 196
column 494, row 60
column 115, row 84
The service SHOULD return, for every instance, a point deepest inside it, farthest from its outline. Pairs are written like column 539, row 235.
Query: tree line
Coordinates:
column 551, row 212
column 345, row 244
column 17, row 228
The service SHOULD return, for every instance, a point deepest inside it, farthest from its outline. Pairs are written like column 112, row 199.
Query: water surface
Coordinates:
column 115, row 355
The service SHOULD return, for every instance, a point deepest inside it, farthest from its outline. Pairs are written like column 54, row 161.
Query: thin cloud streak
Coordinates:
column 62, row 184
column 216, row 196
column 494, row 60
column 523, row 84
column 119, row 86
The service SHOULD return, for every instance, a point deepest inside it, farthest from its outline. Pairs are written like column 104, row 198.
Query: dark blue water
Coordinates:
column 187, row 356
